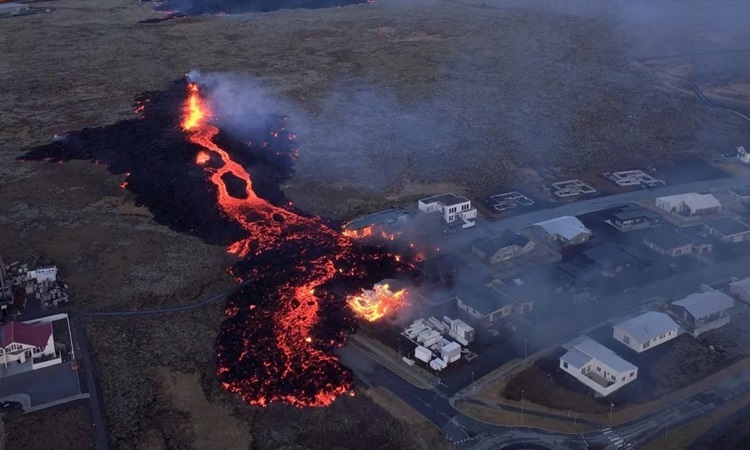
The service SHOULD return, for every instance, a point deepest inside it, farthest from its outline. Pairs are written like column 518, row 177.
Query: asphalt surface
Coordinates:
column 43, row 386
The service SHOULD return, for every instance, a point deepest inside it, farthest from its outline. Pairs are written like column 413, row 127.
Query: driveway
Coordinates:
column 43, row 386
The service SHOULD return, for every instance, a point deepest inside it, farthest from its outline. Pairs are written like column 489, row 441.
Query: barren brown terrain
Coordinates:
column 390, row 100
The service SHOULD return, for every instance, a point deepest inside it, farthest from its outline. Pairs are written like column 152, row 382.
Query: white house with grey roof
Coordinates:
column 451, row 207
column 702, row 311
column 564, row 230
column 646, row 331
column 691, row 204
column 598, row 367
column 741, row 289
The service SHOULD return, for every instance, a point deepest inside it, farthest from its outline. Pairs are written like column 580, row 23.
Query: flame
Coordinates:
column 202, row 157
column 375, row 304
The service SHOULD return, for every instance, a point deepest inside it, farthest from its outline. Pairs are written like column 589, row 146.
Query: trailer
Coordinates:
column 438, row 325
column 422, row 354
column 451, row 352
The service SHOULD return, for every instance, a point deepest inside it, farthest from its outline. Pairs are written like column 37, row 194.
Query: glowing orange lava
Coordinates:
column 297, row 308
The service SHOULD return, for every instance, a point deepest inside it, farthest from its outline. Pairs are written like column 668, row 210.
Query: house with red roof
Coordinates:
column 20, row 342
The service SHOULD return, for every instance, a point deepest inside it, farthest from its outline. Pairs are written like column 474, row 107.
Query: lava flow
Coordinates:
column 282, row 325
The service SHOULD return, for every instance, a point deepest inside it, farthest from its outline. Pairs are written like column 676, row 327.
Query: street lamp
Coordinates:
column 611, row 406
column 524, row 350
column 521, row 405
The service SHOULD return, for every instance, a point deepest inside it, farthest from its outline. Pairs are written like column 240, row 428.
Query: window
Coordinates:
column 613, row 378
column 661, row 336
column 598, row 369
column 626, row 339
column 632, row 374
column 623, row 378
column 565, row 365
column 646, row 344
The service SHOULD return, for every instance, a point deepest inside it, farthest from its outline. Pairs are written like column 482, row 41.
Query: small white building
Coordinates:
column 646, row 331
column 43, row 274
column 598, row 367
column 565, row 230
column 741, row 289
column 452, row 207
column 691, row 204
column 20, row 342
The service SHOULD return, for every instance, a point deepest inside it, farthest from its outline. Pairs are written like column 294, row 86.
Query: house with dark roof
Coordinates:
column 20, row 342
column 609, row 259
column 728, row 229
column 702, row 311
column 508, row 245
column 646, row 330
column 703, row 241
column 634, row 217
column 666, row 241
column 492, row 302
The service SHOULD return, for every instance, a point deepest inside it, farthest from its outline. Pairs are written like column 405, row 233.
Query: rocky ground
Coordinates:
column 391, row 101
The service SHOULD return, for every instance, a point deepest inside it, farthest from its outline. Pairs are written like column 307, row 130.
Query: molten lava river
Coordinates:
column 283, row 323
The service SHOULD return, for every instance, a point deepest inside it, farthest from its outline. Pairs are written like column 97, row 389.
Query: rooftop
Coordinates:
column 666, row 238
column 701, row 304
column 634, row 211
column 728, row 226
column 576, row 358
column 595, row 350
column 743, row 283
column 484, row 299
column 378, row 218
column 492, row 245
column 693, row 200
column 445, row 199
column 567, row 227
column 608, row 255
column 22, row 333
column 648, row 326
column 697, row 234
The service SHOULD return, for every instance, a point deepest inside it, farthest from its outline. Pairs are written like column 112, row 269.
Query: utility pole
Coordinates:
column 524, row 349
column 521, row 405
column 666, row 433
column 473, row 386
column 611, row 407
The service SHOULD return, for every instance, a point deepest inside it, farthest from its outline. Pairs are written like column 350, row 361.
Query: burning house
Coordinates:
column 384, row 298
column 385, row 224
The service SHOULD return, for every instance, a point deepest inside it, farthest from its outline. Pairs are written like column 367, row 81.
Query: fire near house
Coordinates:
column 598, row 367
column 565, row 231
column 728, row 229
column 451, row 207
column 666, row 241
column 507, row 246
column 702, row 311
column 384, row 222
column 20, row 342
column 646, row 331
column 634, row 217
column 691, row 204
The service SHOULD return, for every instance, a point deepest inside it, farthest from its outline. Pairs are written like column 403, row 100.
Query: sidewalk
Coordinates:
column 396, row 366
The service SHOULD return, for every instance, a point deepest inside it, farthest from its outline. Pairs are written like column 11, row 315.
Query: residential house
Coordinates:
column 20, row 342
column 491, row 303
column 691, row 204
column 451, row 207
column 741, row 289
column 701, row 238
column 740, row 194
column 646, row 331
column 42, row 274
column 743, row 155
column 634, row 217
column 373, row 224
column 609, row 259
column 728, row 229
column 508, row 245
column 564, row 231
column 598, row 367
column 666, row 241
column 702, row 311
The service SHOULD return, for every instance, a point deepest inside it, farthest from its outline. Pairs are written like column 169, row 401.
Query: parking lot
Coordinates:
column 37, row 388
